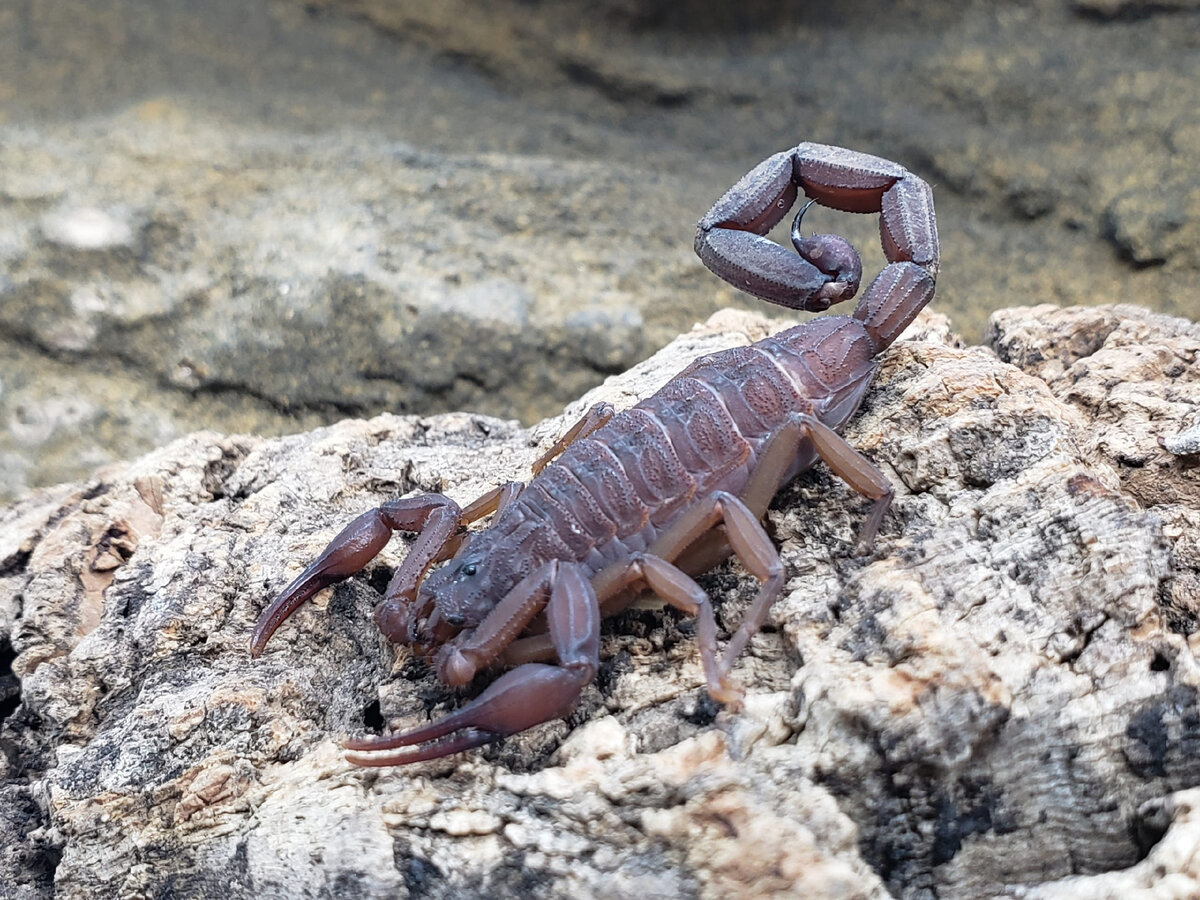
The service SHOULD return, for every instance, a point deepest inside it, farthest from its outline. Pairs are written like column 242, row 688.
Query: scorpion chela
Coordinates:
column 643, row 499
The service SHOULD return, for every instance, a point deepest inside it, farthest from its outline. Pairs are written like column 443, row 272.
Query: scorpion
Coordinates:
column 641, row 500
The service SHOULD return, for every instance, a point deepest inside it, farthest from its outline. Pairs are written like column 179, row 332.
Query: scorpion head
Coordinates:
column 451, row 598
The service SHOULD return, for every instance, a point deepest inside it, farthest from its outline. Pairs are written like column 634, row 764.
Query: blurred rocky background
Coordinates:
column 261, row 216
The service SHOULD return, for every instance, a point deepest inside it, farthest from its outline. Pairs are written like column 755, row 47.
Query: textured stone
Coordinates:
column 998, row 700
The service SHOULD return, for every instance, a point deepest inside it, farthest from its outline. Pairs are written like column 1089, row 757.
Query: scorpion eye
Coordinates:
column 469, row 569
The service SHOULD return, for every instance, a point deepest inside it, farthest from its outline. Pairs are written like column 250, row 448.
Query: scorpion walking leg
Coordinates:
column 854, row 469
column 520, row 698
column 748, row 540
column 694, row 533
column 846, row 462
column 677, row 588
column 594, row 418
column 494, row 501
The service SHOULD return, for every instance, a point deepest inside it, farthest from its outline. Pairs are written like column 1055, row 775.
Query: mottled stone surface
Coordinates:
column 1000, row 699
column 1134, row 377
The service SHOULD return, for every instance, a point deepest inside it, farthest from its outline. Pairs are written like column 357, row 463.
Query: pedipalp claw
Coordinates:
column 521, row 698
column 355, row 546
column 363, row 752
column 434, row 516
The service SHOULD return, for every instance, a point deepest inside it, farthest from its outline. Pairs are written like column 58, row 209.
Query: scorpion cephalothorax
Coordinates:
column 643, row 499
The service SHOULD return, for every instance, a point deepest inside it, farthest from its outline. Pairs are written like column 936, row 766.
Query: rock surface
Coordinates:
column 267, row 215
column 1000, row 700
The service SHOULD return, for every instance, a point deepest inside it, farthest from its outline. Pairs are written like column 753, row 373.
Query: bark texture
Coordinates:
column 1000, row 700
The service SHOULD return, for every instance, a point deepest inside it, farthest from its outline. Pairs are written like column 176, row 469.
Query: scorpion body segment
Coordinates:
column 646, row 498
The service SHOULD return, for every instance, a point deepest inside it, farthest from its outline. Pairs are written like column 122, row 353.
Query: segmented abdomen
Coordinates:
column 701, row 433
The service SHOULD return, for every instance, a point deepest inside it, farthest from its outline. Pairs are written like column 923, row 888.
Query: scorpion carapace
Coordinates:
column 643, row 499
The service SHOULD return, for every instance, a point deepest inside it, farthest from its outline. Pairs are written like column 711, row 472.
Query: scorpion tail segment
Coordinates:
column 892, row 301
column 908, row 226
column 730, row 242
column 768, row 271
column 908, row 231
column 844, row 179
column 521, row 698
column 833, row 255
column 353, row 548
column 759, row 200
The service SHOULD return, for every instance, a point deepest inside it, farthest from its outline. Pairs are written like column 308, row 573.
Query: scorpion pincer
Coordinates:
column 642, row 499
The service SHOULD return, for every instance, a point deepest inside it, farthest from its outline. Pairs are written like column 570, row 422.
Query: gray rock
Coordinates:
column 1133, row 376
column 1186, row 443
column 997, row 701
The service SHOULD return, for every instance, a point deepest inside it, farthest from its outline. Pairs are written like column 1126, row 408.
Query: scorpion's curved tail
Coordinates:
column 825, row 268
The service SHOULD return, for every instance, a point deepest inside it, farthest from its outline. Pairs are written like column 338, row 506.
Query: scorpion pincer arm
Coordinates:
column 521, row 698
column 355, row 546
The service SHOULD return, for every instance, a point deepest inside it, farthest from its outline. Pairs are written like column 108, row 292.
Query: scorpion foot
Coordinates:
column 728, row 693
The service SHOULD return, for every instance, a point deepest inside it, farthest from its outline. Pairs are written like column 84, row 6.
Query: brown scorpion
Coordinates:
column 642, row 499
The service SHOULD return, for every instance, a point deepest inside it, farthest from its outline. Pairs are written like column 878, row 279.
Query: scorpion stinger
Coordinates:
column 797, row 236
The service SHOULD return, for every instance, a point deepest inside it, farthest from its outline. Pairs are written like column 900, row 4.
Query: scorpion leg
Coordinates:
column 846, row 462
column 520, row 698
column 494, row 501
column 854, row 469
column 695, row 544
column 677, row 588
column 693, row 538
column 594, row 418
column 748, row 541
